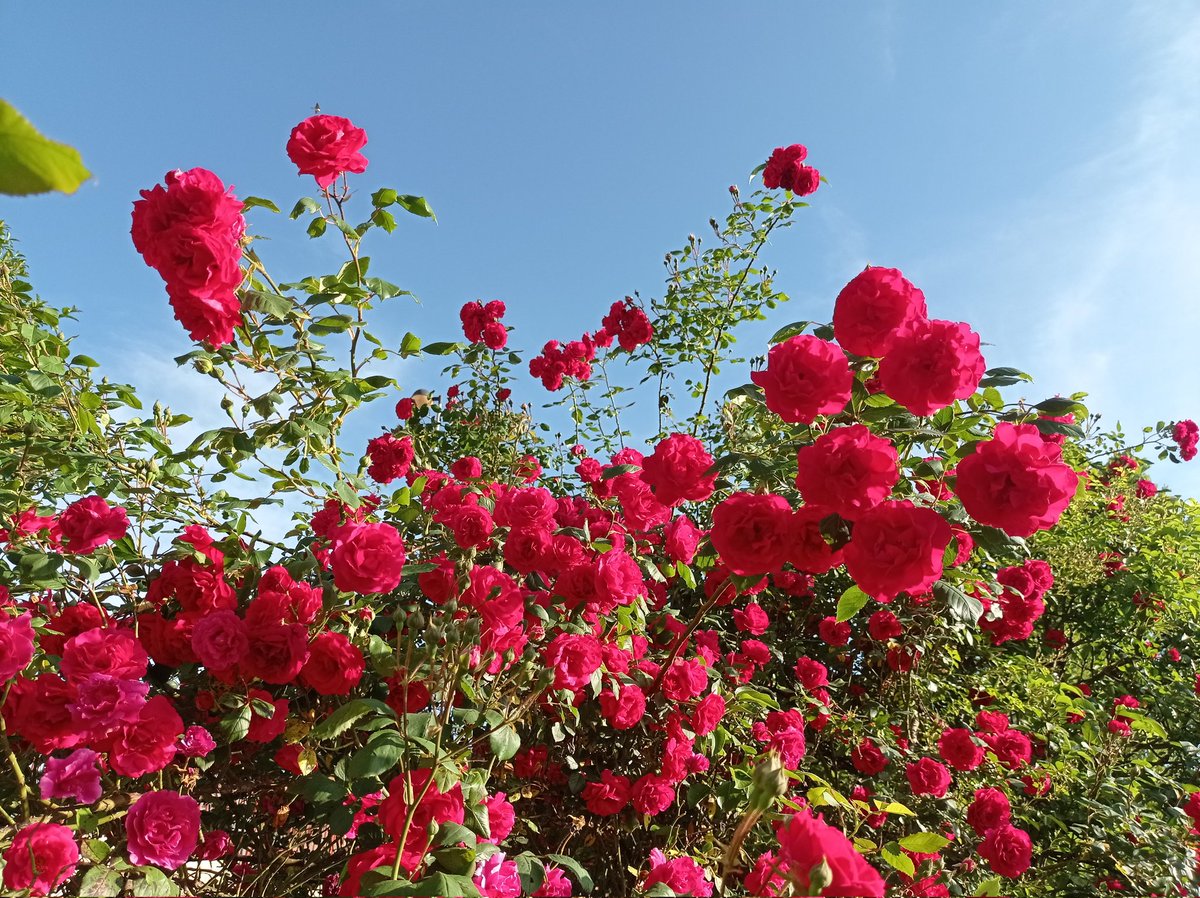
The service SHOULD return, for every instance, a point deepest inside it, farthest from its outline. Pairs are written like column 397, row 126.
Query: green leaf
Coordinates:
column 317, row 226
column 417, row 205
column 441, row 348
column 661, row 890
column 410, row 345
column 101, row 882
column 898, row 859
column 851, row 602
column 435, row 884
column 617, row 470
column 575, row 868
column 381, row 753
column 788, row 331
column 1060, row 405
column 154, row 884
column 964, row 610
column 990, row 888
column 251, row 201
column 504, row 742
column 279, row 307
column 31, row 163
column 924, row 843
column 303, row 205
column 384, row 196
column 345, row 716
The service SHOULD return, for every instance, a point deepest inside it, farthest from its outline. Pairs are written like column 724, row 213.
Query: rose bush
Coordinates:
column 865, row 623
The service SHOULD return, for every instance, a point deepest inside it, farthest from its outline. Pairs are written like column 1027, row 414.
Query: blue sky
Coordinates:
column 1029, row 165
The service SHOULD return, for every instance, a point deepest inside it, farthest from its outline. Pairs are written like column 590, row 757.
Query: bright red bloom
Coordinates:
column 16, row 644
column 930, row 364
column 679, row 470
column 390, row 458
column 959, row 749
column 324, row 146
column 163, row 829
column 873, row 308
column 868, row 759
column 847, row 470
column 897, row 547
column 609, row 795
column 368, row 558
column 334, row 665
column 752, row 532
column 785, row 168
column 91, row 522
column 989, row 809
column 928, row 777
column 40, row 858
column 1007, row 850
column 805, row 377
column 1016, row 481
column 805, row 841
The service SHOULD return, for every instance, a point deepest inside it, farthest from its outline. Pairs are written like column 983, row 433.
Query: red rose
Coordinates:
column 390, row 457
column 876, row 305
column 809, row 551
column 959, row 750
column 678, row 470
column 324, row 146
column 834, row 632
column 220, row 640
column 277, row 652
column 1007, row 850
column 786, row 169
column 471, row 526
column 574, row 657
column 883, row 625
column 897, row 547
column 752, row 619
column 105, row 650
column 527, row 507
column 805, row 377
column 528, row 549
column 847, row 470
column 16, row 644
column 609, row 795
column 91, row 522
column 1016, row 481
column 623, row 711
column 148, row 744
column 681, row 539
column 163, row 829
column 1012, row 748
column 263, row 728
column 368, row 558
column 989, row 810
column 805, row 841
column 868, row 759
column 334, row 665
column 928, row 777
column 930, row 364
column 191, row 232
column 752, row 532
column 708, row 713
column 812, row 674
column 652, row 794
column 684, row 680
column 40, row 858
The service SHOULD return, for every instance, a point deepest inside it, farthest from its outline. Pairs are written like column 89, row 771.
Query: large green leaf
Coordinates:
column 31, row 163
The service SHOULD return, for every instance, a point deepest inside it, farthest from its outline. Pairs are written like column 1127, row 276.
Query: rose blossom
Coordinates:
column 91, row 522
column 163, row 829
column 876, row 305
column 76, row 776
column 897, row 547
column 1016, row 481
column 931, row 364
column 928, row 777
column 805, row 377
column 324, row 146
column 805, row 841
column 368, row 558
column 41, row 856
column 752, row 532
column 678, row 470
column 16, row 644
column 847, row 470
column 785, row 168
column 1007, row 850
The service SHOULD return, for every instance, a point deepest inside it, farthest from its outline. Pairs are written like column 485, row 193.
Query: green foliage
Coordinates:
column 32, row 163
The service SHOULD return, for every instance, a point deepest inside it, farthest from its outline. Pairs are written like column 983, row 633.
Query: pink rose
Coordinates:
column 41, row 857
column 368, row 558
column 16, row 644
column 91, row 522
column 76, row 776
column 163, row 829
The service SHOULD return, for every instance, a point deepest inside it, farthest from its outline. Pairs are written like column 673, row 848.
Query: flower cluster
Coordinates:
column 190, row 232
